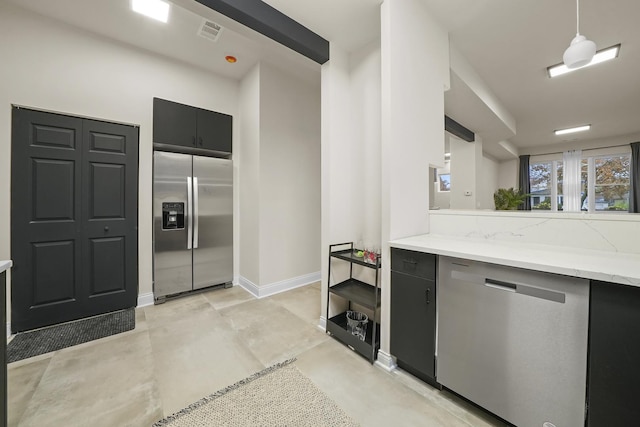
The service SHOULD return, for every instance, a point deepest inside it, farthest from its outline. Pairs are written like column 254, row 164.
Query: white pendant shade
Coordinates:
column 579, row 53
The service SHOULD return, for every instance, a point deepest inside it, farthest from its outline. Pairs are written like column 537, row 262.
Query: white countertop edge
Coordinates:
column 5, row 265
column 597, row 216
column 612, row 267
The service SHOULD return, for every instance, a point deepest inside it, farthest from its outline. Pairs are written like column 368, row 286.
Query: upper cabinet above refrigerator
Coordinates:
column 179, row 127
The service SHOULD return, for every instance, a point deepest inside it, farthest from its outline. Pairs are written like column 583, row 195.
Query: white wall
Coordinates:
column 350, row 154
column 465, row 164
column 58, row 68
column 248, row 159
column 289, row 176
column 338, row 212
column 415, row 73
column 279, row 185
column 488, row 182
column 508, row 174
column 364, row 66
column 582, row 145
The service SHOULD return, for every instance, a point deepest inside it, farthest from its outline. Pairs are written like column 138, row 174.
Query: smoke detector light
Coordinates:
column 602, row 55
column 572, row 130
column 156, row 9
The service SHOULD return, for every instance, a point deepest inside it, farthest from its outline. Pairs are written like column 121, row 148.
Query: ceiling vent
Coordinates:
column 210, row 30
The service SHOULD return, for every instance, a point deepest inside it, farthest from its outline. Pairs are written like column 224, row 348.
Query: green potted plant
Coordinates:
column 508, row 198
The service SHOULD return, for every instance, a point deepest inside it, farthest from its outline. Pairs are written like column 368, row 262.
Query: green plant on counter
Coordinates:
column 508, row 198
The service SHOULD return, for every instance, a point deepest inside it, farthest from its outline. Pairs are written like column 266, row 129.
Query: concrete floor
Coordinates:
column 191, row 347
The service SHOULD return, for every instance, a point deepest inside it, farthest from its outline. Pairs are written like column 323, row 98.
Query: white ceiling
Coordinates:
column 508, row 42
column 178, row 39
column 511, row 42
column 348, row 23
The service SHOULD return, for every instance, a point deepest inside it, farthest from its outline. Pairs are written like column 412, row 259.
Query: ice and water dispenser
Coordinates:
column 172, row 215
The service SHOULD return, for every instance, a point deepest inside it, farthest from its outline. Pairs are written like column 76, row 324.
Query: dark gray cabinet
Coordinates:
column 214, row 131
column 413, row 312
column 614, row 355
column 3, row 354
column 180, row 125
column 174, row 123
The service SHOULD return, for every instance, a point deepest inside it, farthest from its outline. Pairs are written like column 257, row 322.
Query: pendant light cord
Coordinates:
column 577, row 17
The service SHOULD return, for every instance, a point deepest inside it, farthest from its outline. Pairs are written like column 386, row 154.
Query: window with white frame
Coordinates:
column 445, row 182
column 605, row 183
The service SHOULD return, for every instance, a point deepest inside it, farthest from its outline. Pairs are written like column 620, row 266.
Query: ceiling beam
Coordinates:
column 266, row 20
column 458, row 130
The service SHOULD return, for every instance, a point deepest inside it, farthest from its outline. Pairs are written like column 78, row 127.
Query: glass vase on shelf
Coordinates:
column 371, row 255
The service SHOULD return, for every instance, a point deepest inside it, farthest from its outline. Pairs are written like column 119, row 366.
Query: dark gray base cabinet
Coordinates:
column 614, row 356
column 3, row 354
column 413, row 312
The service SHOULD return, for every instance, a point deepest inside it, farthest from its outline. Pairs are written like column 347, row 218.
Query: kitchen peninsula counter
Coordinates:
column 608, row 266
column 5, row 265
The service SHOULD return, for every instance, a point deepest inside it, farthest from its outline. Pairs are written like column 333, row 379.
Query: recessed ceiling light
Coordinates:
column 156, row 9
column 602, row 55
column 572, row 130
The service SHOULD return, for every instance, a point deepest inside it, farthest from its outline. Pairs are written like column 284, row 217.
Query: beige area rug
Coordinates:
column 277, row 396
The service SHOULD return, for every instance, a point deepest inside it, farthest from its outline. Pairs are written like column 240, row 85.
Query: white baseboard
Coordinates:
column 386, row 361
column 145, row 299
column 322, row 324
column 249, row 286
column 277, row 287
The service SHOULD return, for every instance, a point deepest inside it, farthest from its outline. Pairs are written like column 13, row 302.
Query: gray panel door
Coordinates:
column 172, row 247
column 60, row 187
column 110, row 215
column 213, row 216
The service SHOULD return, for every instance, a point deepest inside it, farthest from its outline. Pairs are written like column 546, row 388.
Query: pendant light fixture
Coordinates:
column 580, row 51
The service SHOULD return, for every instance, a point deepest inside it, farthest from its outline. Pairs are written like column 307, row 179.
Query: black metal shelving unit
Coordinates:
column 355, row 292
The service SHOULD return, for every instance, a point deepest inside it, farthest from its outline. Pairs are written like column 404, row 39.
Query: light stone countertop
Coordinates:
column 607, row 266
column 5, row 265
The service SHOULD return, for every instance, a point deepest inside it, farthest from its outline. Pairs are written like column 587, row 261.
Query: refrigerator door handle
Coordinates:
column 195, row 212
column 189, row 212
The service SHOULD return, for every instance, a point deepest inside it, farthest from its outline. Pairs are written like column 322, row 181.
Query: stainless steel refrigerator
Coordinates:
column 193, row 223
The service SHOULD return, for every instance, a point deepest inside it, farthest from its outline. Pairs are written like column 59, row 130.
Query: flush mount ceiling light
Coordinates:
column 580, row 51
column 572, row 130
column 231, row 59
column 156, row 9
column 602, row 55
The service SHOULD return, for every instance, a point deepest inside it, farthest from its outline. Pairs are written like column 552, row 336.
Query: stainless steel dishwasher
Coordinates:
column 514, row 341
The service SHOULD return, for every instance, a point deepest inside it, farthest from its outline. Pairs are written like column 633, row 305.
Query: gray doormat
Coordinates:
column 52, row 338
column 277, row 396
